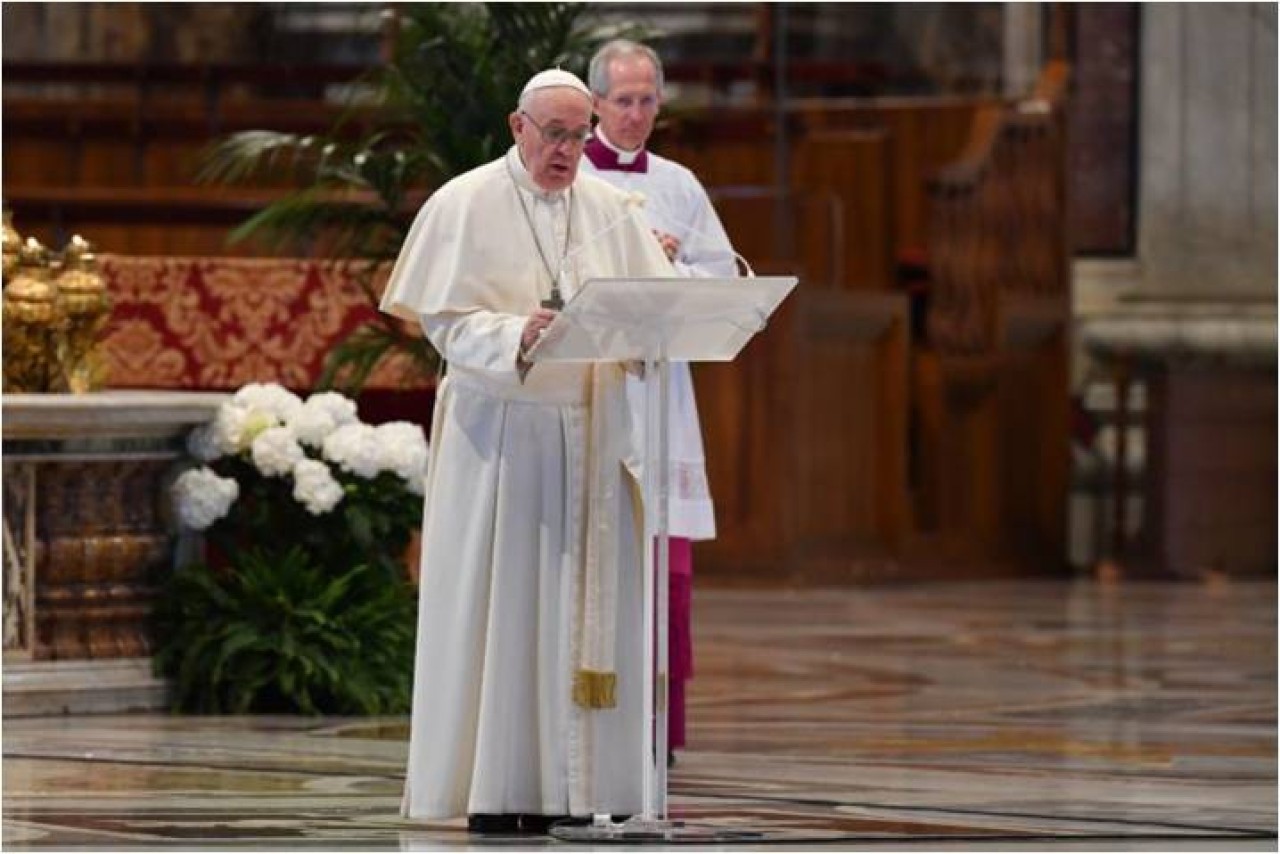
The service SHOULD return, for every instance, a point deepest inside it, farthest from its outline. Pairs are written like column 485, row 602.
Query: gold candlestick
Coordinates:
column 12, row 247
column 33, row 319
column 86, row 306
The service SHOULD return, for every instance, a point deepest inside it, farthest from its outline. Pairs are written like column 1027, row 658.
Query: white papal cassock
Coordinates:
column 531, row 552
column 675, row 203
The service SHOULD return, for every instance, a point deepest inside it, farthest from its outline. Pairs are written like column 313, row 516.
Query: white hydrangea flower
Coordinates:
column 201, row 497
column 203, row 444
column 268, row 397
column 312, row 425
column 404, row 451
column 341, row 409
column 227, row 427
column 276, row 451
column 354, row 448
column 315, row 487
column 235, row 427
column 320, row 415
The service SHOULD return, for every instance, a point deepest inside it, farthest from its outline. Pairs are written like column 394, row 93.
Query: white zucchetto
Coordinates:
column 552, row 78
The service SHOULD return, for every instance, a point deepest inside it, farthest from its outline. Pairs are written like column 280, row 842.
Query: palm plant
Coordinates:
column 438, row 109
column 276, row 632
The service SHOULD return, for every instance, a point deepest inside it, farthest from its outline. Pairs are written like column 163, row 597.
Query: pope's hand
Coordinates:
column 669, row 243
column 534, row 327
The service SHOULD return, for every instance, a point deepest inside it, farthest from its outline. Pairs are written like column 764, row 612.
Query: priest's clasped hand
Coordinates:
column 669, row 242
column 534, row 328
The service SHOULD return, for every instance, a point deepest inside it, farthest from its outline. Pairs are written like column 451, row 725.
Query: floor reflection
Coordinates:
column 1072, row 715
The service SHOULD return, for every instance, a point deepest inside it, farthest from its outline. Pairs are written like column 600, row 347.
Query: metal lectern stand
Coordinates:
column 655, row 321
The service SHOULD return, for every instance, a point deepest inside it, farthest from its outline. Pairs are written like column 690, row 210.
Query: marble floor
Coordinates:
column 1071, row 715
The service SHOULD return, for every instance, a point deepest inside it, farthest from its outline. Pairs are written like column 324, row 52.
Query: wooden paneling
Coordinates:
column 1033, row 444
column 815, row 219
column 1210, row 495
column 872, row 155
column 990, row 384
column 922, row 134
column 856, row 167
column 724, row 147
column 134, row 221
column 850, row 502
column 806, row 442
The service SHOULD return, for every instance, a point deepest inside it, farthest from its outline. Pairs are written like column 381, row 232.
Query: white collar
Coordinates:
column 525, row 181
column 626, row 158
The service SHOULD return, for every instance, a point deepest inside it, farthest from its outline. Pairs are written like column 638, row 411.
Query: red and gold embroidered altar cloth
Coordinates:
column 218, row 323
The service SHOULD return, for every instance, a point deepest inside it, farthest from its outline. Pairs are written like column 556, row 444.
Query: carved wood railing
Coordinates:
column 998, row 221
column 991, row 382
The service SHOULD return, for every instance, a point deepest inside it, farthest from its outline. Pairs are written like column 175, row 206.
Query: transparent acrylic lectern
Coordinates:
column 655, row 321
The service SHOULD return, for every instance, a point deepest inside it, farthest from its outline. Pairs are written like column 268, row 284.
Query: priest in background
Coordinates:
column 626, row 80
column 528, row 683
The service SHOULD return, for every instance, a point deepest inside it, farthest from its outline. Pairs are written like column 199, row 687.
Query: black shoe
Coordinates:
column 671, row 759
column 493, row 823
column 540, row 824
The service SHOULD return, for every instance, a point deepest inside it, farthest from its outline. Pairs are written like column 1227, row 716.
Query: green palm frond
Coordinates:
column 251, row 154
column 349, row 365
column 351, row 226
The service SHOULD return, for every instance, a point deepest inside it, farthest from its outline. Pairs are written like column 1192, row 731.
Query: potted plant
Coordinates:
column 303, row 602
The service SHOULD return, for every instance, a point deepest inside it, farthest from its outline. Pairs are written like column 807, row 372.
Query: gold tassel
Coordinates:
column 595, row 689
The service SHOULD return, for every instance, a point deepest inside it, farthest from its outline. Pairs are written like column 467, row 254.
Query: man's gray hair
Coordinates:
column 598, row 71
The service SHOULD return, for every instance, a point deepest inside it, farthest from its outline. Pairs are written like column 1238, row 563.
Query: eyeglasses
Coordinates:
column 646, row 103
column 554, row 135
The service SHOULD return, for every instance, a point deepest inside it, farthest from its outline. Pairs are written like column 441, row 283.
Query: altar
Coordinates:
column 86, row 530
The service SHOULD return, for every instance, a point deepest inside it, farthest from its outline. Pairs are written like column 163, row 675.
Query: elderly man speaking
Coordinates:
column 528, row 691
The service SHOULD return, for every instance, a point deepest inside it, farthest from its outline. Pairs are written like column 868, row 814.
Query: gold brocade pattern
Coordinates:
column 218, row 323
column 138, row 350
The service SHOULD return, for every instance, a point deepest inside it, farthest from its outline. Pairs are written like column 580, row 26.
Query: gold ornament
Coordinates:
column 86, row 308
column 12, row 247
column 33, row 320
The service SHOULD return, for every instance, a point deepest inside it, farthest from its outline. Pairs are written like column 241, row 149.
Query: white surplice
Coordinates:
column 675, row 203
column 531, row 547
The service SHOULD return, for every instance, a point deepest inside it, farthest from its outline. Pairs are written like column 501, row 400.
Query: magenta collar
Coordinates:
column 606, row 159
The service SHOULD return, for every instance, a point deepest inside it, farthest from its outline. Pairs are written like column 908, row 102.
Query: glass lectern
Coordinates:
column 654, row 321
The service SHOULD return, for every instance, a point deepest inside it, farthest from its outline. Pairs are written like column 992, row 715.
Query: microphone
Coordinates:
column 555, row 302
column 751, row 274
column 638, row 199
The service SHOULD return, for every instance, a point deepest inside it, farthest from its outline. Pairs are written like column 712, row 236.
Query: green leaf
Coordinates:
column 286, row 636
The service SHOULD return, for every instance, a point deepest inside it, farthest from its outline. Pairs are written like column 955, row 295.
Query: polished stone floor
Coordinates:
column 980, row 716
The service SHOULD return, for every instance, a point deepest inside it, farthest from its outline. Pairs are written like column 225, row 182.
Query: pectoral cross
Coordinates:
column 554, row 302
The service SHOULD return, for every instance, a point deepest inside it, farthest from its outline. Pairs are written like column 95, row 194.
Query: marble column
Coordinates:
column 1023, row 53
column 1193, row 317
column 1207, row 196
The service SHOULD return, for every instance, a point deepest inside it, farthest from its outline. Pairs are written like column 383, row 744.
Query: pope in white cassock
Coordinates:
column 528, row 689
column 626, row 79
